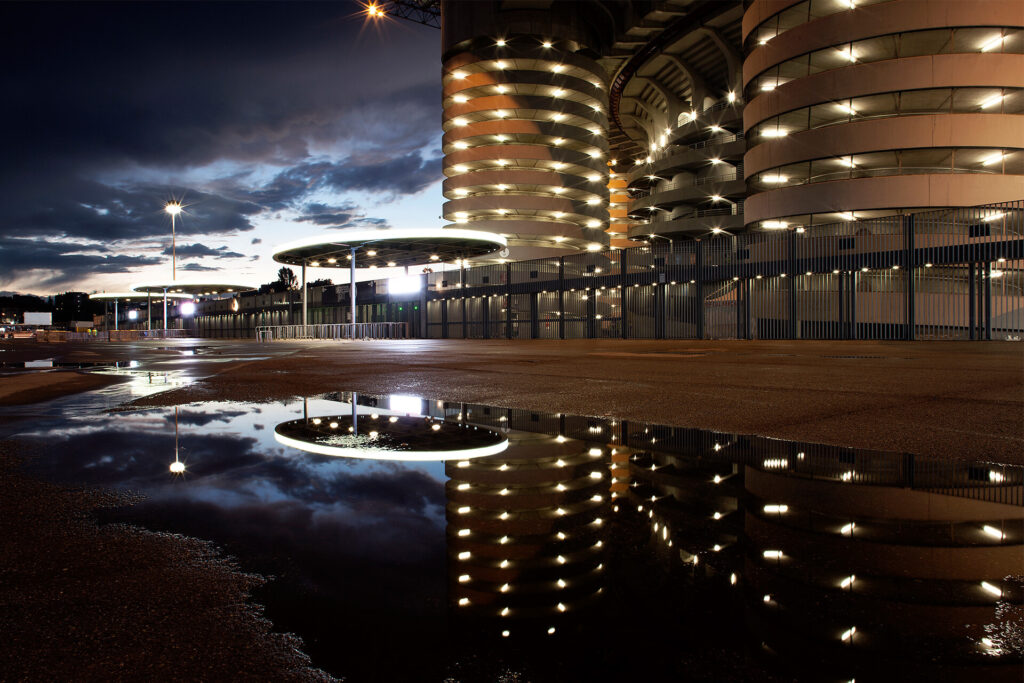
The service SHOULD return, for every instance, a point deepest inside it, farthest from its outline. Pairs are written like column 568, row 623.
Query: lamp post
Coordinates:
column 173, row 208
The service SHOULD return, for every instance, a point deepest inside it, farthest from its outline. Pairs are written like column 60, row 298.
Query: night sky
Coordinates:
column 272, row 121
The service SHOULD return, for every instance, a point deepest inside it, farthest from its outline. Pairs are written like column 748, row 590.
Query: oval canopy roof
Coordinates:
column 384, row 437
column 388, row 247
column 133, row 296
column 193, row 287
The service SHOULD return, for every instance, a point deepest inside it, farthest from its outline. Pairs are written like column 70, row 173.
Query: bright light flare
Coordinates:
column 173, row 208
column 989, row 588
column 374, row 11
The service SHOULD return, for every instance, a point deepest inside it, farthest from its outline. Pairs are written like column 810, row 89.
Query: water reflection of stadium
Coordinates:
column 847, row 561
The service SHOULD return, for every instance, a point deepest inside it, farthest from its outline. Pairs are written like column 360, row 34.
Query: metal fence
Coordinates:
column 336, row 331
column 945, row 274
column 110, row 335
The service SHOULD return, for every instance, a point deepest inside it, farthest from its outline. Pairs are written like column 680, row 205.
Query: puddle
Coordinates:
column 413, row 539
column 61, row 365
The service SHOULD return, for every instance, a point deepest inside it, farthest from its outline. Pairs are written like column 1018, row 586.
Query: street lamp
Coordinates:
column 173, row 208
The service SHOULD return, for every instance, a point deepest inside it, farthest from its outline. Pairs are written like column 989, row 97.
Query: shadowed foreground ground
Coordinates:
column 87, row 603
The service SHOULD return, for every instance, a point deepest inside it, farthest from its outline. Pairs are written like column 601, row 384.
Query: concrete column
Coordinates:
column 352, row 288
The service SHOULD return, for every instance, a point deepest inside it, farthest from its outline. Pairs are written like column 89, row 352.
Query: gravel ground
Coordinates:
column 85, row 602
column 34, row 387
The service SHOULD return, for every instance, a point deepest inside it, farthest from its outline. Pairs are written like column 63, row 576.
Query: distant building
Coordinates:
column 71, row 306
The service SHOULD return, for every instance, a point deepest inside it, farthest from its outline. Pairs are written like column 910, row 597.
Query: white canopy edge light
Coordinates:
column 133, row 296
column 384, row 454
column 357, row 236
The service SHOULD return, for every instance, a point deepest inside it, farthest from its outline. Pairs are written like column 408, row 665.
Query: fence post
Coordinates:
column 485, row 312
column 591, row 313
column 739, row 308
column 698, row 297
column 972, row 315
column 908, row 263
column 508, row 301
column 623, row 292
column 534, row 316
column 423, row 306
column 988, row 301
column 561, row 297
column 659, row 308
column 462, row 296
column 747, row 331
column 791, row 273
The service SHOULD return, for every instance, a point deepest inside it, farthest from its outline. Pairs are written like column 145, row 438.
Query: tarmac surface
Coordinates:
column 949, row 399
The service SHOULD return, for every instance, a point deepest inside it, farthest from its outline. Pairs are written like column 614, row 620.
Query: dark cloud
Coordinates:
column 406, row 174
column 87, row 209
column 197, row 268
column 187, row 85
column 344, row 216
column 387, row 177
column 256, row 240
column 122, row 106
column 57, row 264
column 198, row 250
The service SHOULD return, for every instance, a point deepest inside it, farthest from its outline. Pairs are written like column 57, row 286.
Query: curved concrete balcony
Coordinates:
column 885, row 18
column 894, row 75
column 532, row 182
column 692, row 193
column 690, row 158
column 695, row 225
column 884, row 192
column 997, row 131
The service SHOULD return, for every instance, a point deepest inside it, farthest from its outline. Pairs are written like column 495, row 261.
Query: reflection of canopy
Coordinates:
column 133, row 296
column 389, row 246
column 384, row 437
column 193, row 288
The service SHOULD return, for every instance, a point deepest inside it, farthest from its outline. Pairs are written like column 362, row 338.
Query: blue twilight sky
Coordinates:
column 273, row 121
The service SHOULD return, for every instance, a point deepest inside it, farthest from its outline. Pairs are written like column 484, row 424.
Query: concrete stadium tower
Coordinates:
column 864, row 108
column 525, row 124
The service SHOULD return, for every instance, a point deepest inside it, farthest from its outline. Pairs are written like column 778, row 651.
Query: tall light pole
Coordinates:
column 173, row 208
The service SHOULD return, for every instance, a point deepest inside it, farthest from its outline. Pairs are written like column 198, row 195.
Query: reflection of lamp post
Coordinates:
column 177, row 467
column 173, row 208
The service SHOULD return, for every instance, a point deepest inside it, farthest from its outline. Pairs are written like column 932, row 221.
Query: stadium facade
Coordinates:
column 767, row 169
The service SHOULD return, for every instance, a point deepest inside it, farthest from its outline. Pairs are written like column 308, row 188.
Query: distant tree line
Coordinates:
column 287, row 281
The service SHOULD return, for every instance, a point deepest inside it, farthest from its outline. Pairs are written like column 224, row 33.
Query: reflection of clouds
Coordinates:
column 198, row 419
column 230, row 462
